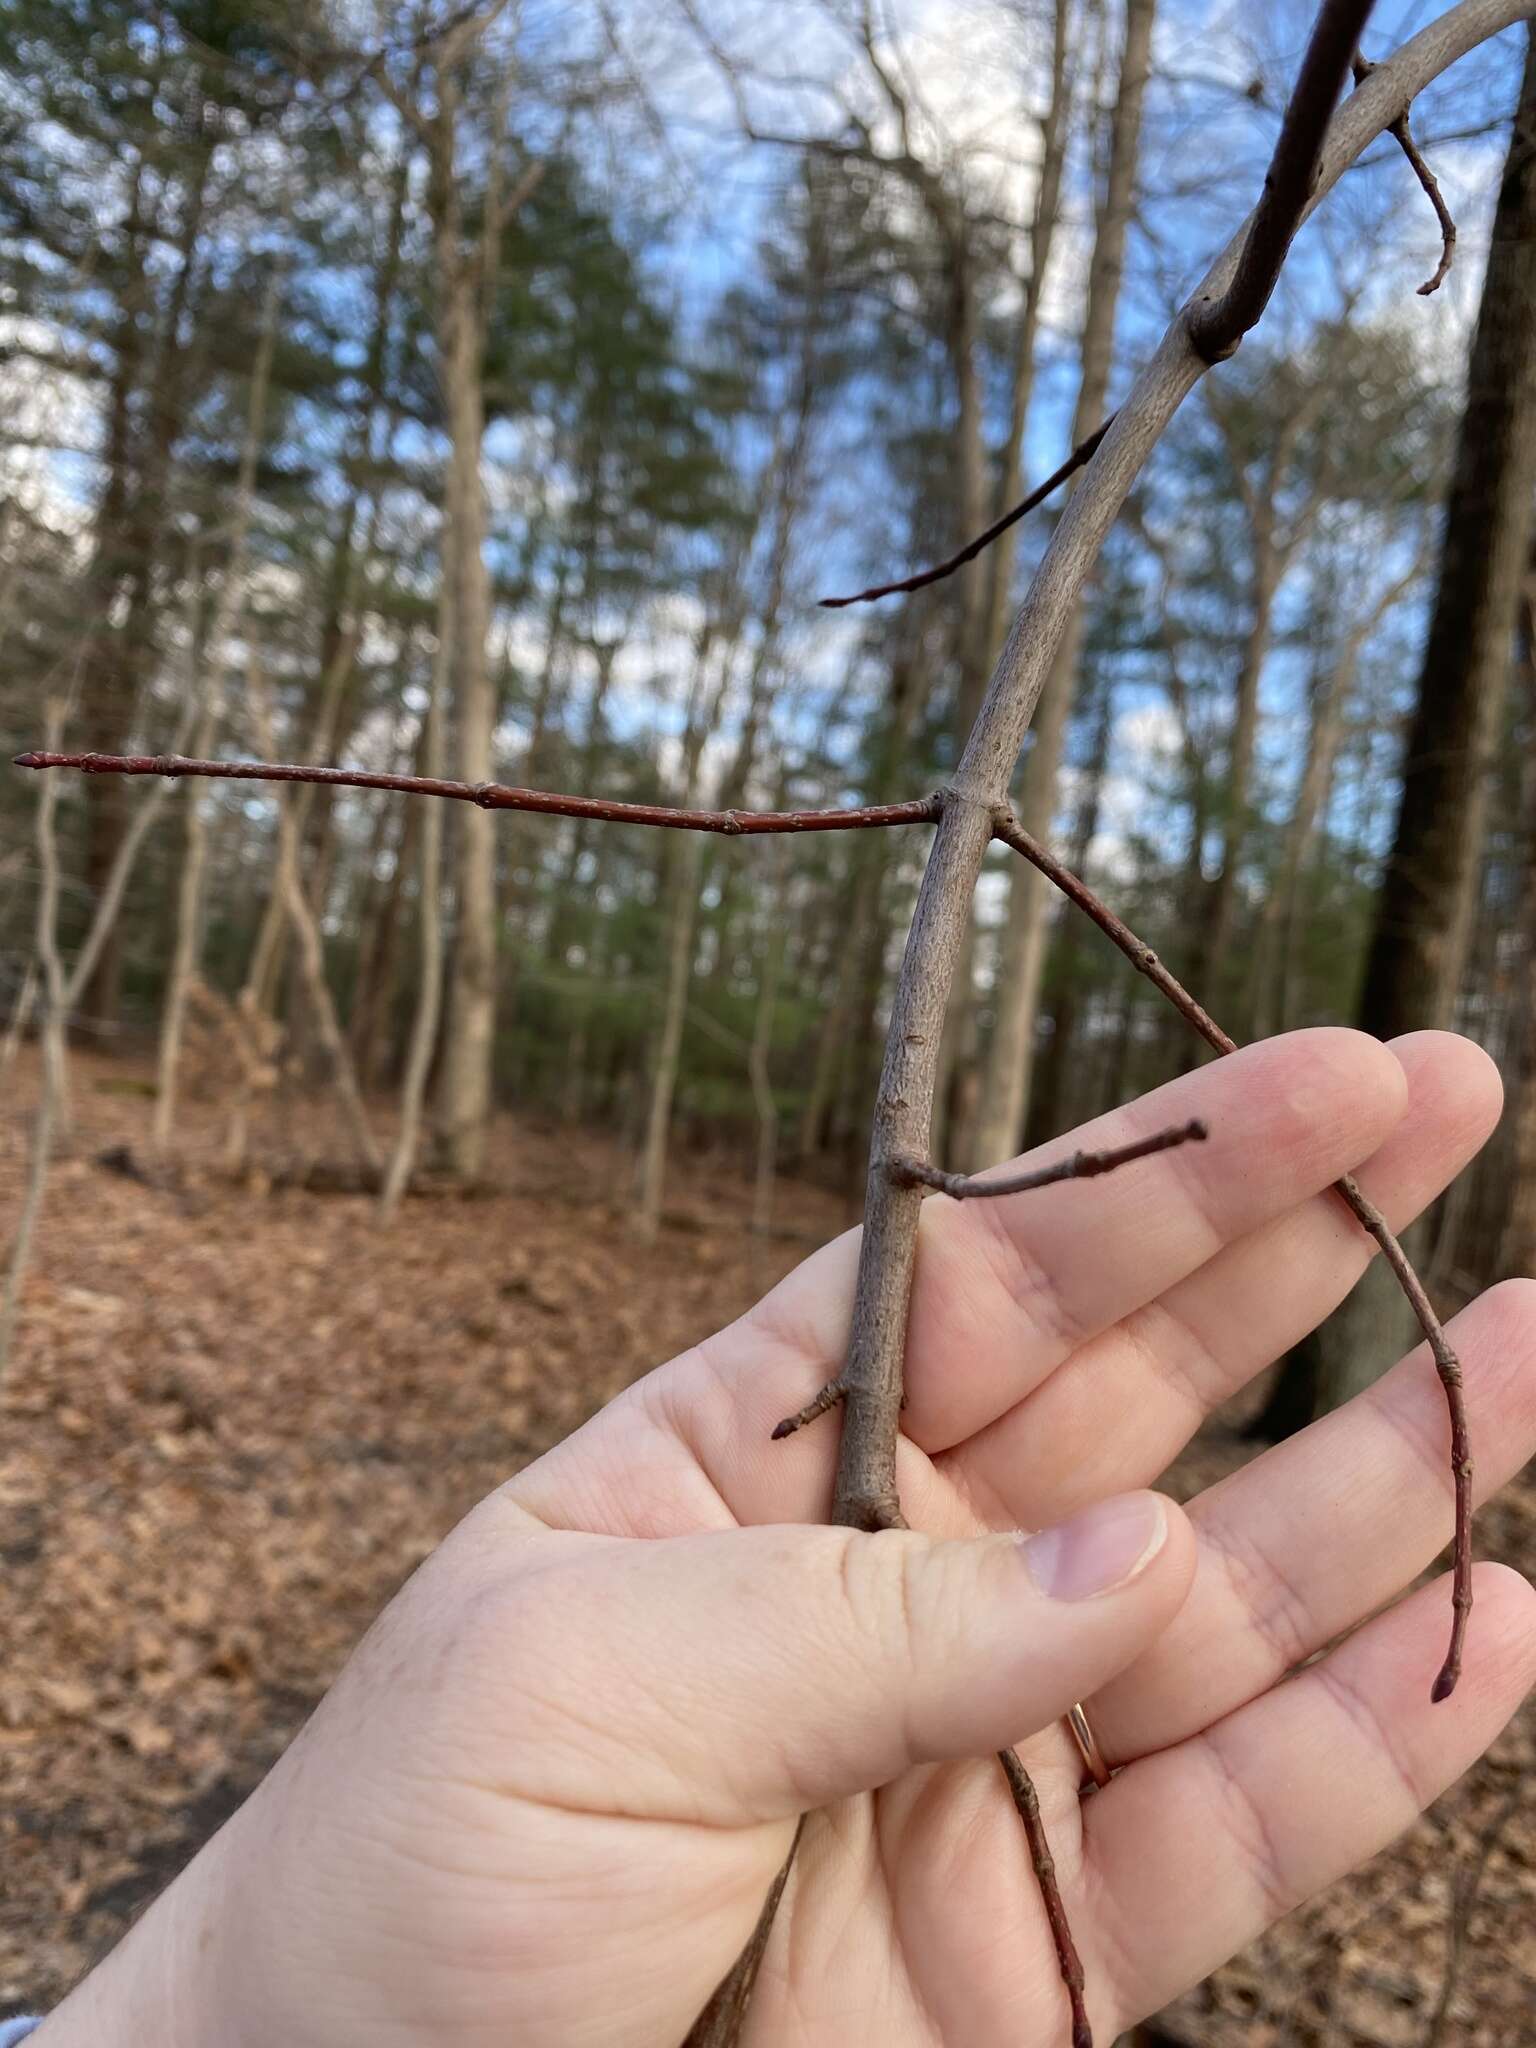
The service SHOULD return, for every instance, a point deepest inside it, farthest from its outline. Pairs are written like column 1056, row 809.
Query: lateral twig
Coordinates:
column 904, row 1171
column 500, row 796
column 1082, row 453
column 1402, row 134
column 1141, row 956
column 1076, row 1166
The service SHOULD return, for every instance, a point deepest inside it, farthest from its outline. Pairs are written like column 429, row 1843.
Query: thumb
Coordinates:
column 766, row 1671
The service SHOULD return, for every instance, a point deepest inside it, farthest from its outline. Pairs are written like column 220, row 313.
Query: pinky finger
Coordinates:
column 1193, row 1852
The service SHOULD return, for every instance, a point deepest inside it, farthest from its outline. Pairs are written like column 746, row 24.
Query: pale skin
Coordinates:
column 545, row 1799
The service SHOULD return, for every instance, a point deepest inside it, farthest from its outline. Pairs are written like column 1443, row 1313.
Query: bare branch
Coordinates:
column 1077, row 1166
column 1216, row 326
column 499, row 796
column 1402, row 134
column 1447, row 1365
column 1082, row 453
column 1026, row 1800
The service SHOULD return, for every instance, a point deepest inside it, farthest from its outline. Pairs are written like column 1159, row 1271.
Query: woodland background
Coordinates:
column 493, row 392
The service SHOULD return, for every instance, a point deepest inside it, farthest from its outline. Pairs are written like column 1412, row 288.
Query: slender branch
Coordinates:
column 721, row 2021
column 1402, row 134
column 498, row 796
column 1447, row 1365
column 1217, row 325
column 1077, row 1166
column 905, row 1172
column 1010, row 832
column 1082, row 453
column 1027, row 1801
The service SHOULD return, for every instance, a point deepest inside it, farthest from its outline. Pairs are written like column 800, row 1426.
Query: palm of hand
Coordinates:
column 613, row 1838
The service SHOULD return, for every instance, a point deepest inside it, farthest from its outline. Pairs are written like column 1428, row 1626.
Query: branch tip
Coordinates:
column 829, row 1397
column 1402, row 134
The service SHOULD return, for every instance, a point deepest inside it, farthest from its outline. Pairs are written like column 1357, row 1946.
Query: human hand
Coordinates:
column 544, row 1801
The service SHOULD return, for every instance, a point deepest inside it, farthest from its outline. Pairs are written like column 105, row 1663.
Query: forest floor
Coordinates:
column 237, row 1419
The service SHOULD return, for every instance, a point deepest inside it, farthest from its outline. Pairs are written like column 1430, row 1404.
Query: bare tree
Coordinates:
column 429, row 913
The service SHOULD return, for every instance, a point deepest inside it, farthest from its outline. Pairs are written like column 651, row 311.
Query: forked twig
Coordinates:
column 1313, row 150
column 1141, row 956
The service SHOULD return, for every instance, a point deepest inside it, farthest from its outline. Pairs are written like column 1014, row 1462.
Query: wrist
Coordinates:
column 155, row 1985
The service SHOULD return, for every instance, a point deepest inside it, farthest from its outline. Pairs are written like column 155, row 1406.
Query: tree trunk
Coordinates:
column 653, row 1158
column 986, row 583
column 1418, row 946
column 132, row 553
column 1005, row 1088
column 464, row 1091
column 311, row 953
column 1221, row 912
column 1055, row 1107
column 1517, row 1249
column 429, row 914
column 210, row 650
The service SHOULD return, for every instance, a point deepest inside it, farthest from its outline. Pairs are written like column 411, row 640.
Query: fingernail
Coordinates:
column 1099, row 1550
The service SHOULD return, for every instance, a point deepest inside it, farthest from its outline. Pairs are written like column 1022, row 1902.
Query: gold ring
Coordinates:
column 1081, row 1731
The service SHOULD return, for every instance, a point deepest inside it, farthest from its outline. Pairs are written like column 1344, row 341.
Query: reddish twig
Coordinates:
column 1027, row 1800
column 1402, row 134
column 1145, row 961
column 499, row 796
column 1082, row 453
column 1077, row 1166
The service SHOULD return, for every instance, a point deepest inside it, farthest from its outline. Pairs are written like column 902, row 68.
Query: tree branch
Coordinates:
column 1402, row 134
column 500, row 796
column 1274, row 239
column 1027, row 1804
column 1074, row 462
column 1447, row 1365
column 1077, row 1166
column 1218, row 324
